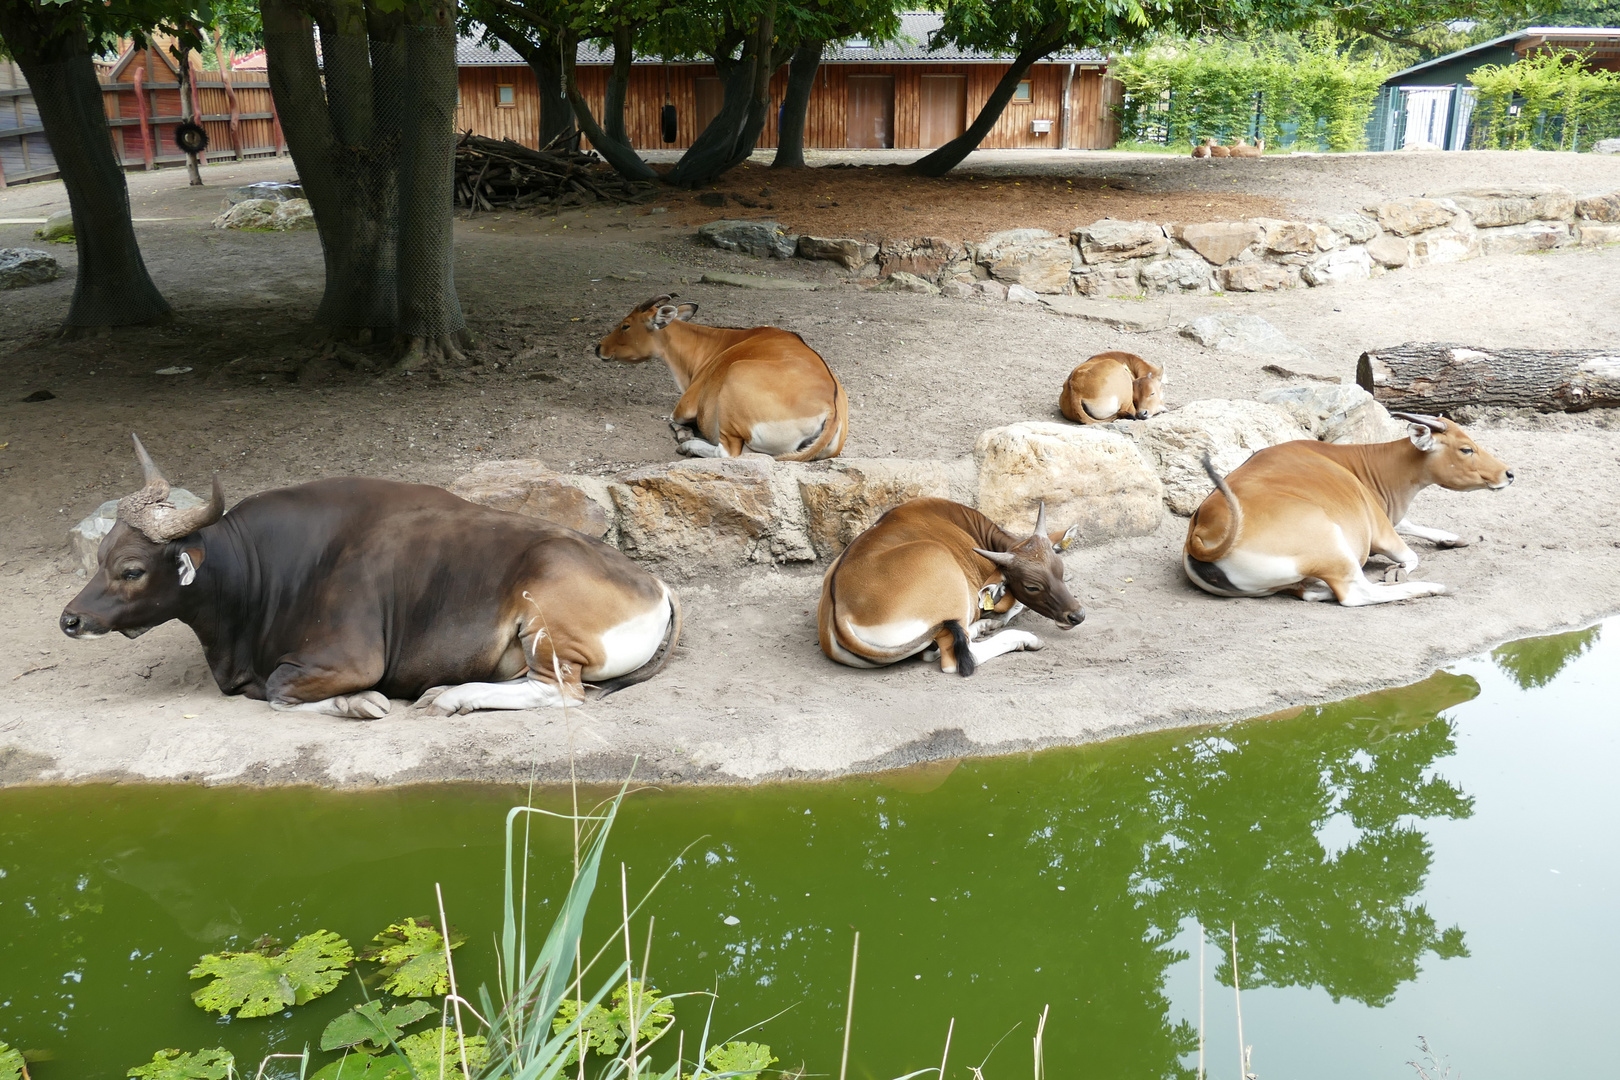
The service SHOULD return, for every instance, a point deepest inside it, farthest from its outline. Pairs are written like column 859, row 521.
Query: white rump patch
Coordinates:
column 775, row 437
column 632, row 643
column 891, row 635
column 1257, row 574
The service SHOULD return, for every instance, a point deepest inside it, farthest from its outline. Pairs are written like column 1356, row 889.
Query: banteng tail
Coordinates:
column 1197, row 546
column 652, row 667
column 829, row 441
column 959, row 644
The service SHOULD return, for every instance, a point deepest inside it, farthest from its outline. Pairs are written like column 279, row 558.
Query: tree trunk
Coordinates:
column 1438, row 378
column 188, row 114
column 618, row 84
column 113, row 287
column 625, row 161
column 796, row 104
column 950, row 155
column 557, row 125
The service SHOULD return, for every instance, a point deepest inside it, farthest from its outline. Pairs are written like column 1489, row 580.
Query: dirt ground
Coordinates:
column 748, row 695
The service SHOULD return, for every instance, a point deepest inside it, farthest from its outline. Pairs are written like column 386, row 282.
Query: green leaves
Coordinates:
column 367, row 1029
column 262, row 982
column 362, row 1067
column 11, row 1063
column 425, row 1049
column 413, row 960
column 605, row 1028
column 212, row 1064
column 743, row 1058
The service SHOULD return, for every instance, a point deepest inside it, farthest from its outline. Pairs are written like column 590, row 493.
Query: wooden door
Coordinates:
column 944, row 109
column 710, row 97
column 871, row 112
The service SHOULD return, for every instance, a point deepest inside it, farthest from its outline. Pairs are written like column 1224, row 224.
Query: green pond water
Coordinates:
column 1440, row 860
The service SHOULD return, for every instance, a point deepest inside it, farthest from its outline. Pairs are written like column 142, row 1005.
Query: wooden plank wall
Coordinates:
column 24, row 152
column 826, row 124
column 258, row 134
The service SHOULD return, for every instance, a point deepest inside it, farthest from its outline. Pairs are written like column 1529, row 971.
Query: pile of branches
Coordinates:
column 499, row 173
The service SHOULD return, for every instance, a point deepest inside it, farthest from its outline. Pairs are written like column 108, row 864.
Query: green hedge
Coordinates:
column 1310, row 94
column 1544, row 102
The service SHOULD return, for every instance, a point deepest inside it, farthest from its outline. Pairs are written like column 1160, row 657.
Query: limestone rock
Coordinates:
column 293, row 214
column 1295, row 237
column 1403, row 217
column 1518, row 239
column 1493, row 207
column 1342, row 413
column 1220, row 241
column 1033, row 258
column 982, row 290
column 1241, row 333
column 845, row 497
column 1229, row 431
column 712, row 512
column 21, row 267
column 58, row 227
column 1338, row 267
column 1111, row 240
column 1438, row 246
column 529, row 488
column 265, row 189
column 248, row 214
column 1020, row 295
column 929, row 257
column 1090, row 476
column 1600, row 234
column 901, row 281
column 1390, row 251
column 758, row 281
column 85, row 538
column 1108, row 279
column 758, row 238
column 1176, row 275
column 1600, row 207
column 1353, row 227
column 1606, row 146
column 848, row 253
column 1256, row 277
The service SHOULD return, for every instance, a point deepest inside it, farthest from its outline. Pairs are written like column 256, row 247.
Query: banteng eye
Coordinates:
column 1032, row 588
column 1467, row 450
column 134, row 573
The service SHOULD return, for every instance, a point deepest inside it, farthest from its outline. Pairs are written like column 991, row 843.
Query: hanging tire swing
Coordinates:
column 190, row 138
column 668, row 117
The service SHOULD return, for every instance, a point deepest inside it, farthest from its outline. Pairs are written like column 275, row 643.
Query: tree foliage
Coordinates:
column 1547, row 101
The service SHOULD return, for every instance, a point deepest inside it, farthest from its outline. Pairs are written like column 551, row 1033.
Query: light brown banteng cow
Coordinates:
column 931, row 576
column 335, row 596
column 1302, row 517
column 1113, row 386
column 1243, row 149
column 1201, row 150
column 1217, row 150
column 760, row 389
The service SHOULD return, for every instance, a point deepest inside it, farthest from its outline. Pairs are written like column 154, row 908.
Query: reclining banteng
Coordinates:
column 1302, row 517
column 930, row 577
column 334, row 596
column 1113, row 386
column 760, row 389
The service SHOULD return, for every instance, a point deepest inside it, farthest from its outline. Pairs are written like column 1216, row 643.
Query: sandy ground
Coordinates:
column 748, row 696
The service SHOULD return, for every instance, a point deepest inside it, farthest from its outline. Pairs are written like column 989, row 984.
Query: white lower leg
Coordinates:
column 1436, row 536
column 1363, row 592
column 1005, row 642
column 522, row 692
column 702, row 448
column 366, row 705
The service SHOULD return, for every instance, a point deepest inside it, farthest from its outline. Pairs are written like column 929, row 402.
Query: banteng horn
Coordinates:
column 150, row 512
column 1040, row 520
column 1433, row 423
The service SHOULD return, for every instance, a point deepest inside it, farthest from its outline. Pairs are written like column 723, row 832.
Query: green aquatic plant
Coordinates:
column 364, row 1067
column 215, row 1064
column 262, row 981
column 412, row 955
column 369, row 1030
column 12, row 1066
column 605, row 1028
column 740, row 1058
column 437, row 1053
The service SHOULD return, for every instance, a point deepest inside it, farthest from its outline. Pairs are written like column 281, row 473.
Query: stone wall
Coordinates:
column 1134, row 258
column 1113, row 480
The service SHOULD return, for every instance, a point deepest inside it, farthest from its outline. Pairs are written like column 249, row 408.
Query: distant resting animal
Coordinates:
column 1113, row 386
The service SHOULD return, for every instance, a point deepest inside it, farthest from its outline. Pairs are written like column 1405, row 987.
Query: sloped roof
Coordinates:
column 1567, row 33
column 916, row 30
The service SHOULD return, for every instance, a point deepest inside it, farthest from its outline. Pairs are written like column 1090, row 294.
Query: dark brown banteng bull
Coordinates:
column 760, row 389
column 930, row 577
column 334, row 596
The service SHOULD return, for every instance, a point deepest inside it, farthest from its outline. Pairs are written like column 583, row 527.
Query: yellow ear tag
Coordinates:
column 988, row 597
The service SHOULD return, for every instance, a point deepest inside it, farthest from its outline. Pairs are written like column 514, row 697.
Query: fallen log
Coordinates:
column 1438, row 377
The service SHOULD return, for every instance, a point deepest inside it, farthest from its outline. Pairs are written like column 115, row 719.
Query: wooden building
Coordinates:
column 898, row 95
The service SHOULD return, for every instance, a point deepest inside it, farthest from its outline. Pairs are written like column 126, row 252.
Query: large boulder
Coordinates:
column 264, row 189
column 1111, row 240
column 1257, row 277
column 1390, row 251
column 1220, row 241
column 1229, row 431
column 901, row 281
column 1403, row 217
column 1090, row 476
column 293, row 214
column 1492, row 207
column 848, row 253
column 1296, row 237
column 1338, row 267
column 1352, row 228
column 1108, row 279
column 1241, row 333
column 58, row 228
column 21, row 267
column 932, row 257
column 85, row 538
column 846, row 496
column 1182, row 272
column 1520, row 239
column 1033, row 258
column 1599, row 207
column 1438, row 246
column 712, row 512
column 1600, row 234
column 758, row 238
column 1336, row 413
column 248, row 214
column 528, row 487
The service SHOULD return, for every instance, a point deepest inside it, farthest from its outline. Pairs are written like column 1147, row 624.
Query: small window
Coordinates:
column 857, row 43
column 504, row 97
column 1023, row 92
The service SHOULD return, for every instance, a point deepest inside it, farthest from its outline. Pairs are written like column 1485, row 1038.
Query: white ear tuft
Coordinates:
column 1422, row 437
column 663, row 315
column 188, row 569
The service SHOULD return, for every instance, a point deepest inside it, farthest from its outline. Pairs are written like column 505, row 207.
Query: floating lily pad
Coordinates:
column 605, row 1028
column 365, row 1067
column 424, row 1048
column 368, row 1029
column 412, row 957
column 260, row 982
column 212, row 1064
column 745, row 1058
column 11, row 1063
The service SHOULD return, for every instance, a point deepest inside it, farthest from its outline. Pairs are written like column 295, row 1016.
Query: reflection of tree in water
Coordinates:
column 1534, row 662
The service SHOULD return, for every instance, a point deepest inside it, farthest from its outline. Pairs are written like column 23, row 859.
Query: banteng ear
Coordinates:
column 1422, row 438
column 190, row 559
column 685, row 312
column 1067, row 539
column 662, row 316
